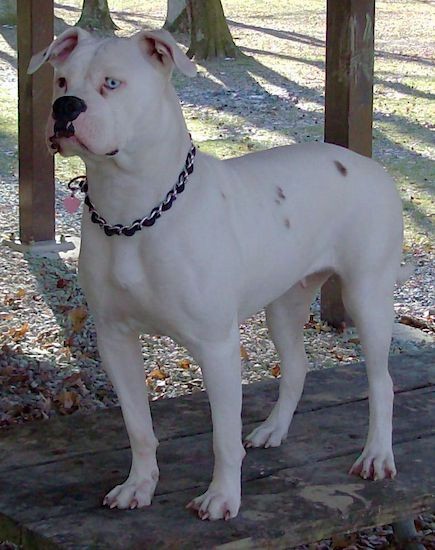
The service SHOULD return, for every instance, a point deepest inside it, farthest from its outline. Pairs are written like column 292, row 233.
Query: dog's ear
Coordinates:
column 58, row 51
column 161, row 46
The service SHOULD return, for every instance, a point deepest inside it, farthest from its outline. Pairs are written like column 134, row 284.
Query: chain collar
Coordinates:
column 80, row 183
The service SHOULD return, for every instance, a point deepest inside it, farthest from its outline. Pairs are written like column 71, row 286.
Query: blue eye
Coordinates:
column 111, row 83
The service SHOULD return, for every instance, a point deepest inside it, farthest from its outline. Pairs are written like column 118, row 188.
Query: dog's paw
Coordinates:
column 268, row 434
column 375, row 464
column 217, row 503
column 133, row 493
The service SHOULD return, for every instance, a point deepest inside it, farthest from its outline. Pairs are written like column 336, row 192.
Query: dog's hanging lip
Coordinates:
column 54, row 144
column 112, row 153
column 64, row 129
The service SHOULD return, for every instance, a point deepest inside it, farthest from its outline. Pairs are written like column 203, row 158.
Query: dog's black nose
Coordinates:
column 67, row 108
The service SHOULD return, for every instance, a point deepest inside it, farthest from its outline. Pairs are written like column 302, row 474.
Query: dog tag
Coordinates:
column 71, row 204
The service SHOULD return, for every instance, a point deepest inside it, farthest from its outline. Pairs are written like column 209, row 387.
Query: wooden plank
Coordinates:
column 36, row 166
column 186, row 462
column 294, row 506
column 60, row 438
column 348, row 102
column 74, row 486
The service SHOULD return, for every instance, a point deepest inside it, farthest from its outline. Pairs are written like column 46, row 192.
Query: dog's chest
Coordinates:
column 126, row 269
column 132, row 287
column 113, row 276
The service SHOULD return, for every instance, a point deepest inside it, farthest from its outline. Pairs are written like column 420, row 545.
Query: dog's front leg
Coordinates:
column 122, row 358
column 221, row 368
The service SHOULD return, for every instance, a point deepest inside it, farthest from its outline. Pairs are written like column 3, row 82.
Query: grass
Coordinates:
column 275, row 96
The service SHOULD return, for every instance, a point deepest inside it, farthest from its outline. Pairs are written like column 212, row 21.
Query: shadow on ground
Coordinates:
column 242, row 89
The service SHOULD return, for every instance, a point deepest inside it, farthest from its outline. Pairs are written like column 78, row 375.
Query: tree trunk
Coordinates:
column 95, row 17
column 8, row 12
column 176, row 17
column 209, row 33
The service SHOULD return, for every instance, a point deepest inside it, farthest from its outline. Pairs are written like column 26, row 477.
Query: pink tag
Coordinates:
column 71, row 204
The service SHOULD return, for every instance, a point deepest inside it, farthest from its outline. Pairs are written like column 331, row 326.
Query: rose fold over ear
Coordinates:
column 161, row 45
column 59, row 50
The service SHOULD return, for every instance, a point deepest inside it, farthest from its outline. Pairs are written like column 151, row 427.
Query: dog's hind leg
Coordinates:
column 286, row 317
column 369, row 301
column 122, row 359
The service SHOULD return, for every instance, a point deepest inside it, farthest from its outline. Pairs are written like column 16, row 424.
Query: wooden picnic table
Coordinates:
column 53, row 474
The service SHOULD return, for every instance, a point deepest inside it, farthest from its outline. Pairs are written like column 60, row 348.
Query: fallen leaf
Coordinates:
column 276, row 370
column 62, row 283
column 343, row 541
column 19, row 333
column 416, row 322
column 244, row 354
column 68, row 401
column 69, row 342
column 20, row 293
column 78, row 318
column 48, row 345
column 7, row 371
column 74, row 379
column 322, row 327
column 18, row 377
column 9, row 299
column 158, row 374
column 66, row 351
column 184, row 364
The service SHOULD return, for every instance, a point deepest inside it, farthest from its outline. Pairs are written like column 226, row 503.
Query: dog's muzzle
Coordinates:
column 65, row 110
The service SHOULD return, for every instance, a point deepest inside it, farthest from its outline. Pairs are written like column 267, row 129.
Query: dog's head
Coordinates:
column 107, row 90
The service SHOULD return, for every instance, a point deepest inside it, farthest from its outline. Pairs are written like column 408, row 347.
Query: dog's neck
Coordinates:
column 134, row 181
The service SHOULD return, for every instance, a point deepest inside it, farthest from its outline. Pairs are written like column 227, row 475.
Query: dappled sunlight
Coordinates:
column 275, row 95
column 412, row 138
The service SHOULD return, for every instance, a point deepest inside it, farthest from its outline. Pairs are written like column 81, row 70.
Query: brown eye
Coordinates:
column 61, row 82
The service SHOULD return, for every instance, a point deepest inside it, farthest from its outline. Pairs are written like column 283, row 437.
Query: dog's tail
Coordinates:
column 405, row 272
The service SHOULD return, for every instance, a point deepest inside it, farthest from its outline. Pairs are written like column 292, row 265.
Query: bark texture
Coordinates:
column 95, row 17
column 177, row 19
column 210, row 36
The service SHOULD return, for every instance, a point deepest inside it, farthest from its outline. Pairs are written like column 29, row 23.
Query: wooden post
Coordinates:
column 348, row 101
column 36, row 165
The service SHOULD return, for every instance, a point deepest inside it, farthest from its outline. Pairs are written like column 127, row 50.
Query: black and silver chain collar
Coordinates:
column 80, row 183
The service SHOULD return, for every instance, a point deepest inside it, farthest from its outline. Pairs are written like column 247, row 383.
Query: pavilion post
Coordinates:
column 348, row 101
column 36, row 165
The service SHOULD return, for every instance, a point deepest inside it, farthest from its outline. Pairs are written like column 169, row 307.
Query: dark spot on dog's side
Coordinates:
column 280, row 192
column 342, row 169
column 287, row 223
column 223, row 195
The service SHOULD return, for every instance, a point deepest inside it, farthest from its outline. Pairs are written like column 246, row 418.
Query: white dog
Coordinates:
column 263, row 230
